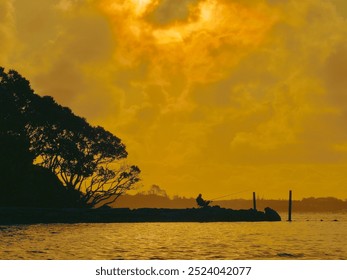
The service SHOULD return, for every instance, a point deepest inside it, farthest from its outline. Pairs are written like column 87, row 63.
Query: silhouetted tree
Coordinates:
column 156, row 190
column 84, row 158
column 106, row 184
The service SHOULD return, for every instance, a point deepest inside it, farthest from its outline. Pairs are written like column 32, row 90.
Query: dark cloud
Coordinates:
column 169, row 11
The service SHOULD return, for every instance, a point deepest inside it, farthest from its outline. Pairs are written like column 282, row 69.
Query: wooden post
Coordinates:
column 254, row 202
column 290, row 207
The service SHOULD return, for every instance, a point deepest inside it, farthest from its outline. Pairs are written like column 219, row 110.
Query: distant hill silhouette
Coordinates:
column 143, row 200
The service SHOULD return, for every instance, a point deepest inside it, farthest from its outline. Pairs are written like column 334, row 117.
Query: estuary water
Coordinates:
column 309, row 236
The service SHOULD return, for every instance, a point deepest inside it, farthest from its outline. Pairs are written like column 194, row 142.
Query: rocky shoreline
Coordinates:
column 12, row 216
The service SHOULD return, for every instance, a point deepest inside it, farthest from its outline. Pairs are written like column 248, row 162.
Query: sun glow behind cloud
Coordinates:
column 211, row 96
column 228, row 21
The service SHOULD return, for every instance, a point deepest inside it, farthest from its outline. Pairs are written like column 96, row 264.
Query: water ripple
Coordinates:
column 282, row 240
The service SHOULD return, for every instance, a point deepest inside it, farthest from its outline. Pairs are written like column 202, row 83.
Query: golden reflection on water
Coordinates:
column 306, row 238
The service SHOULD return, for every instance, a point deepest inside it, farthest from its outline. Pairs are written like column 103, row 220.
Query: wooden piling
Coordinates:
column 290, row 207
column 254, row 202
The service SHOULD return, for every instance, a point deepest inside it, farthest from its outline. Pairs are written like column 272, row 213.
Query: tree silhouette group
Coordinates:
column 49, row 157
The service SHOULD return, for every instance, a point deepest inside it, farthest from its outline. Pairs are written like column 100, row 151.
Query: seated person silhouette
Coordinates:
column 202, row 202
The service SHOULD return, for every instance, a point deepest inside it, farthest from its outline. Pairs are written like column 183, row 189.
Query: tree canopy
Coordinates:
column 35, row 130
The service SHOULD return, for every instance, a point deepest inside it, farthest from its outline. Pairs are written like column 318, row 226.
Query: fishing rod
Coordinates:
column 215, row 199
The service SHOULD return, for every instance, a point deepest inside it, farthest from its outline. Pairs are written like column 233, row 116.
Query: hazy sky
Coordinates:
column 210, row 96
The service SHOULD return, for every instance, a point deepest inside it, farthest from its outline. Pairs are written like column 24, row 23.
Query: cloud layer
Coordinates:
column 210, row 96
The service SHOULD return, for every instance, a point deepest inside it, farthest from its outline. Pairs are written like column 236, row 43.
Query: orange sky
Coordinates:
column 210, row 96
